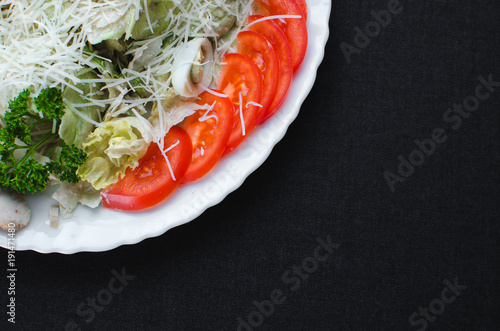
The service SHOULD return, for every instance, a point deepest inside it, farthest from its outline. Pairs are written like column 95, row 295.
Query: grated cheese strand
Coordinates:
column 273, row 17
column 251, row 103
column 164, row 153
column 205, row 116
column 243, row 132
column 209, row 90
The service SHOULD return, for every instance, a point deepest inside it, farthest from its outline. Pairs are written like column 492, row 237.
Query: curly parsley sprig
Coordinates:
column 38, row 132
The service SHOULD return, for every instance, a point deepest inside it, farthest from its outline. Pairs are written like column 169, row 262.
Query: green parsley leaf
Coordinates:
column 21, row 103
column 27, row 175
column 50, row 103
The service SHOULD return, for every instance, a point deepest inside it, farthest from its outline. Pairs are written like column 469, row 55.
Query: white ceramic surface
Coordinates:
column 101, row 230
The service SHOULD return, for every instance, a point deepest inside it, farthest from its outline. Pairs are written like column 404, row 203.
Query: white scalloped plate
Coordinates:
column 100, row 230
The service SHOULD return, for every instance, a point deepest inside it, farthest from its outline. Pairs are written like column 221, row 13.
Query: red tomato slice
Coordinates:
column 239, row 76
column 301, row 3
column 295, row 28
column 275, row 35
column 209, row 130
column 261, row 51
column 303, row 7
column 151, row 182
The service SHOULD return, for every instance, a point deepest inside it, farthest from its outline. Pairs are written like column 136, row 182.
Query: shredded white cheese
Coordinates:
column 209, row 90
column 43, row 43
column 206, row 117
column 243, row 132
column 272, row 17
column 164, row 152
column 249, row 103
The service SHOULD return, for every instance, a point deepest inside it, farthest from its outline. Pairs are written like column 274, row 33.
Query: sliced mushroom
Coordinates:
column 13, row 209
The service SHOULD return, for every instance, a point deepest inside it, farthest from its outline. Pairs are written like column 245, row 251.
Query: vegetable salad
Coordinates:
column 97, row 98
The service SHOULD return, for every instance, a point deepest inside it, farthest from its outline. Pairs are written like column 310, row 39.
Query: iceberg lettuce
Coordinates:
column 113, row 147
column 69, row 195
column 113, row 21
column 74, row 129
column 157, row 18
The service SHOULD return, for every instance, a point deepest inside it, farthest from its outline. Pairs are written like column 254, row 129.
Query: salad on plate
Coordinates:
column 118, row 102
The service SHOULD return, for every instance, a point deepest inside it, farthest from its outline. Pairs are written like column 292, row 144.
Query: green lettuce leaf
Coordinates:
column 74, row 129
column 112, row 148
column 111, row 24
column 70, row 195
column 158, row 11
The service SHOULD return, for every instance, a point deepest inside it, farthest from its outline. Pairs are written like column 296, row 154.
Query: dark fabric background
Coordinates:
column 326, row 179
